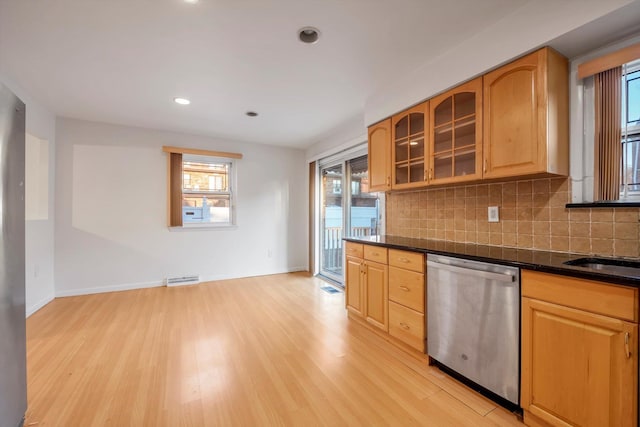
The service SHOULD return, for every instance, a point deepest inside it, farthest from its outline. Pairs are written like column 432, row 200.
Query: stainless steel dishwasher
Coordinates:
column 473, row 322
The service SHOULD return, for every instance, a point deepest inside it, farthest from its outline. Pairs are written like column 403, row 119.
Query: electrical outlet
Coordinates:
column 493, row 214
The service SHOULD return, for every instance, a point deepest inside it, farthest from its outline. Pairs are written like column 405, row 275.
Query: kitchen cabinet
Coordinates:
column 377, row 291
column 579, row 352
column 366, row 282
column 354, row 297
column 386, row 288
column 406, row 297
column 455, row 131
column 526, row 117
column 409, row 147
column 379, row 160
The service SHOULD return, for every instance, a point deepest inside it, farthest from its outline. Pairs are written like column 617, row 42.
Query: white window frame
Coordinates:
column 231, row 193
column 175, row 183
column 628, row 129
column 582, row 124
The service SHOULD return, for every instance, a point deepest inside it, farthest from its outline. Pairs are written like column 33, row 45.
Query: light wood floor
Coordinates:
column 263, row 351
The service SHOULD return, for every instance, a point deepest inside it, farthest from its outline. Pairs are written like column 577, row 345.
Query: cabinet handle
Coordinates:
column 402, row 259
column 626, row 345
column 404, row 326
column 485, row 165
column 388, row 180
column 404, row 288
column 430, row 174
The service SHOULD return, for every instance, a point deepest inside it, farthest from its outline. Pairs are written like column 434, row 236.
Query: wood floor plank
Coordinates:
column 269, row 351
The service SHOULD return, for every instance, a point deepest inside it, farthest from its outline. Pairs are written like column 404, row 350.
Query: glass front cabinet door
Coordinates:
column 456, row 134
column 409, row 147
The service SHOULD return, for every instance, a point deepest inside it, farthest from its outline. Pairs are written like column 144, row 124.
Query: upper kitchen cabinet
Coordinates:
column 526, row 117
column 380, row 156
column 409, row 147
column 456, row 134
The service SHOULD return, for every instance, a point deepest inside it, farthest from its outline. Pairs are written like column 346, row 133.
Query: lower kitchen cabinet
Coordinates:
column 386, row 288
column 377, row 291
column 367, row 283
column 354, row 295
column 579, row 352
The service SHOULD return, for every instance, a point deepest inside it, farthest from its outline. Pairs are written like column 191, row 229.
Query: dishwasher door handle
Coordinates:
column 501, row 277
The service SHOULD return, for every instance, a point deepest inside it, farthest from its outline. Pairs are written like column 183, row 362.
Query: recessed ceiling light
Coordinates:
column 182, row 101
column 309, row 35
column 191, row 1
column 251, row 114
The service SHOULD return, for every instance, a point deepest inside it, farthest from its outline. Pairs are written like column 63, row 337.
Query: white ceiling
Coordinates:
column 123, row 61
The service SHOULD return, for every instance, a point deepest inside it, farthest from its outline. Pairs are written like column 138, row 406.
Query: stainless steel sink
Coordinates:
column 607, row 265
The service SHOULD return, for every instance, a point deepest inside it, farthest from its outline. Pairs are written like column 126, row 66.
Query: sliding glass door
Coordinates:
column 332, row 219
column 345, row 204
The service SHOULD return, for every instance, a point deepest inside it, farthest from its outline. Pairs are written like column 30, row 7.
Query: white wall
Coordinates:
column 39, row 233
column 349, row 134
column 111, row 208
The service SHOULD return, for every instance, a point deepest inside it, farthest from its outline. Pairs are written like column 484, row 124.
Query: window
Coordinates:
column 206, row 195
column 630, row 172
column 606, row 166
column 201, row 187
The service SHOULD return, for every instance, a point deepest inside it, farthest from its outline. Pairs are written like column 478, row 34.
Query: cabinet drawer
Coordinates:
column 407, row 325
column 596, row 297
column 353, row 249
column 375, row 253
column 407, row 288
column 408, row 260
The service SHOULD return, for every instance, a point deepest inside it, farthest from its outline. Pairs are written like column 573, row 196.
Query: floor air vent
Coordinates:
column 182, row 280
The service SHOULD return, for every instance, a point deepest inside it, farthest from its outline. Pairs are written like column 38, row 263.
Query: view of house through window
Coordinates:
column 206, row 190
column 347, row 209
column 630, row 178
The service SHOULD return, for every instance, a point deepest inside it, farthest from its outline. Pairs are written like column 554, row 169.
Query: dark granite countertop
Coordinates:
column 550, row 262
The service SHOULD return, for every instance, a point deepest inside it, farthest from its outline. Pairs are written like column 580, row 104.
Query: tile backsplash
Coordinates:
column 532, row 216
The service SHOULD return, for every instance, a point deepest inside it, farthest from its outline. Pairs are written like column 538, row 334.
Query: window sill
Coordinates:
column 605, row 204
column 193, row 227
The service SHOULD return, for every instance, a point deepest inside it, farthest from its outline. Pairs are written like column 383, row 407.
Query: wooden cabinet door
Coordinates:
column 377, row 294
column 515, row 118
column 354, row 283
column 380, row 156
column 409, row 145
column 455, row 129
column 578, row 368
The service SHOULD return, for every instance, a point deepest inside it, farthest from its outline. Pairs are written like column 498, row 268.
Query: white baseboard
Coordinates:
column 37, row 306
column 253, row 274
column 114, row 288
column 143, row 285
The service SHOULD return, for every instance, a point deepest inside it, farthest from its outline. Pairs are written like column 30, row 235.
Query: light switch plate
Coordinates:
column 493, row 214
